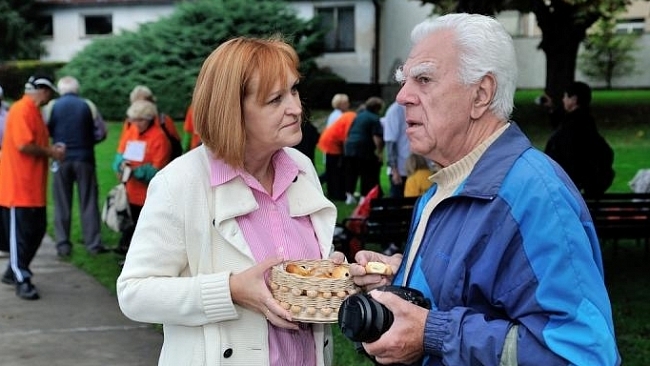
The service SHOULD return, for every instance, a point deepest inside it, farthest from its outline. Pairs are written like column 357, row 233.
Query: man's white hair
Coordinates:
column 485, row 47
column 68, row 84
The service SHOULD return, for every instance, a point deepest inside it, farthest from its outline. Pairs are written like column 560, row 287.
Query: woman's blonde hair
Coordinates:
column 339, row 100
column 415, row 162
column 223, row 82
column 141, row 92
column 142, row 109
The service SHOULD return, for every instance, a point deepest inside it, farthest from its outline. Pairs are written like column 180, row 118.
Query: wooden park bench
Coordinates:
column 621, row 216
column 388, row 222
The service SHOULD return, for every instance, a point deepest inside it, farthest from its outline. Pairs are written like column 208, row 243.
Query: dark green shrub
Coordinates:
column 167, row 55
column 14, row 74
column 317, row 90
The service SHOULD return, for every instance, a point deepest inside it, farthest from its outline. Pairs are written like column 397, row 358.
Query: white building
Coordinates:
column 369, row 38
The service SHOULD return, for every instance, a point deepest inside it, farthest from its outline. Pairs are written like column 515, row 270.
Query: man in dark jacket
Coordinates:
column 578, row 147
column 75, row 122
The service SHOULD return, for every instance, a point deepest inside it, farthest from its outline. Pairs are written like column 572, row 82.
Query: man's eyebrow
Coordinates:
column 415, row 71
column 422, row 69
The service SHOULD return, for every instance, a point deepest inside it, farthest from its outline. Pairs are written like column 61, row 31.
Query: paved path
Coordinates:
column 77, row 321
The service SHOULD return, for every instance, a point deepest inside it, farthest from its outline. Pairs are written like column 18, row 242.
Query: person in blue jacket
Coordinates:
column 502, row 244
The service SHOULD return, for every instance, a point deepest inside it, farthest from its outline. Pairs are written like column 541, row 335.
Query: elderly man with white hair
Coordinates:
column 502, row 244
column 75, row 122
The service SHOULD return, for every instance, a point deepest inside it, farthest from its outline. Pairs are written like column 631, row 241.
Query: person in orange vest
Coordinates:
column 146, row 150
column 26, row 151
column 143, row 92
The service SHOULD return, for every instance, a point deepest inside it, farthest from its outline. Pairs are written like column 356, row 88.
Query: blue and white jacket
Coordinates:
column 514, row 245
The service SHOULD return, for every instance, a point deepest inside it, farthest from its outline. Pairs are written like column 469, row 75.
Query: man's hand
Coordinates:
column 404, row 341
column 371, row 281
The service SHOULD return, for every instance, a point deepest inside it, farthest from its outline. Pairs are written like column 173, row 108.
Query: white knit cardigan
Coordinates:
column 186, row 245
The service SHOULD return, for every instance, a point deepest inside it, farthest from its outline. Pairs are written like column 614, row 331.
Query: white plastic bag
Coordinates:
column 116, row 212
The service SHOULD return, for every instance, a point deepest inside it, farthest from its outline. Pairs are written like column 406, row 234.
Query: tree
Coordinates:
column 607, row 54
column 563, row 23
column 167, row 55
column 20, row 38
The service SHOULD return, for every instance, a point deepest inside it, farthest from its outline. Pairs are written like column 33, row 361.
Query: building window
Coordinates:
column 44, row 25
column 339, row 23
column 627, row 26
column 98, row 25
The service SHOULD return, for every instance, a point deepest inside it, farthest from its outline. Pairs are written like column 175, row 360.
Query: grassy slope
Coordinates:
column 622, row 117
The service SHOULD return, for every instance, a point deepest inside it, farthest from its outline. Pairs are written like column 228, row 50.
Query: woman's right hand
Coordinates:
column 249, row 289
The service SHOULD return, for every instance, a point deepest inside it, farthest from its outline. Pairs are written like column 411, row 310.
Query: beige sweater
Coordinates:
column 186, row 245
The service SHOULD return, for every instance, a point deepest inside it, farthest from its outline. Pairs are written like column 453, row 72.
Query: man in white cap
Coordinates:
column 24, row 168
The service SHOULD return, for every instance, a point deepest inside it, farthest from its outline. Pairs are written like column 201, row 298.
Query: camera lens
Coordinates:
column 362, row 319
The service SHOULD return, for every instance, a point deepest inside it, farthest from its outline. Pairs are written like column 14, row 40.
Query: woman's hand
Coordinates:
column 249, row 289
column 337, row 257
column 371, row 281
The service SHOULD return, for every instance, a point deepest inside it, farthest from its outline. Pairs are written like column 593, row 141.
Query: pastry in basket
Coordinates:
column 297, row 269
column 312, row 290
column 340, row 272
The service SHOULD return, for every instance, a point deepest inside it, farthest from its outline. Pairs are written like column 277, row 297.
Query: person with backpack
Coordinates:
column 145, row 151
column 578, row 147
column 163, row 121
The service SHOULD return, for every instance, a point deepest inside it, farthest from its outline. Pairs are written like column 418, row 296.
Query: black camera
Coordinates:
column 363, row 319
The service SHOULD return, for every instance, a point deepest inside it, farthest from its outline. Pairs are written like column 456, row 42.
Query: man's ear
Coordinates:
column 485, row 91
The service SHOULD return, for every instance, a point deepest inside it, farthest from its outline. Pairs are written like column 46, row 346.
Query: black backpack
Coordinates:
column 177, row 148
column 600, row 167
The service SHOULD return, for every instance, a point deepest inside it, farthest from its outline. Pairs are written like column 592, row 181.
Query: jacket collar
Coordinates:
column 304, row 198
column 487, row 176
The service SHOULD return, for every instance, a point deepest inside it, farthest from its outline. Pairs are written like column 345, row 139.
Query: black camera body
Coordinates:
column 363, row 319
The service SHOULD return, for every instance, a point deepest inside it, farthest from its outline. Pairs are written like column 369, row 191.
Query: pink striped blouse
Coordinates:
column 271, row 231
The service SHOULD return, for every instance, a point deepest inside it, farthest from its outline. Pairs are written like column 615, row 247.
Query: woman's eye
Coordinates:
column 276, row 99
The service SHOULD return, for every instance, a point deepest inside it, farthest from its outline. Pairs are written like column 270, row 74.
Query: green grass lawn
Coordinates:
column 622, row 117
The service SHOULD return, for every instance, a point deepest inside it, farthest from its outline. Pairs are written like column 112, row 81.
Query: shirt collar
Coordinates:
column 286, row 171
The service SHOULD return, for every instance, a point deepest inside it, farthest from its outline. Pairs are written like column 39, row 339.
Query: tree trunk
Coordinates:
column 562, row 31
column 561, row 53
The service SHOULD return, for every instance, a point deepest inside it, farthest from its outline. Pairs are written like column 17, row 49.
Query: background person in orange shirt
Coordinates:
column 190, row 138
column 331, row 144
column 146, row 150
column 25, row 155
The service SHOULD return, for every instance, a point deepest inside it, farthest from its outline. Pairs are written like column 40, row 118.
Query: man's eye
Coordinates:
column 423, row 79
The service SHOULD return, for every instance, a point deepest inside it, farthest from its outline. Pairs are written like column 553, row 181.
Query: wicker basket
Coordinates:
column 311, row 299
